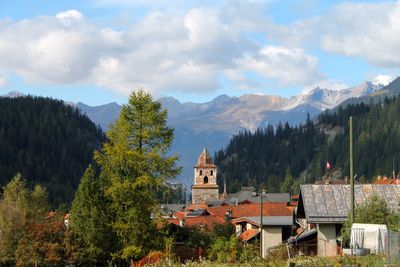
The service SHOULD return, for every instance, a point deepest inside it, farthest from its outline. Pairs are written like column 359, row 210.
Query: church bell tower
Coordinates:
column 205, row 179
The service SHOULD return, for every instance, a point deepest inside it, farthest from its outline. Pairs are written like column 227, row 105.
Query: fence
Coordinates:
column 309, row 248
column 183, row 253
column 393, row 246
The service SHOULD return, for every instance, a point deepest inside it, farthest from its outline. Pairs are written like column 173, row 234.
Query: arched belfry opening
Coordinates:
column 205, row 179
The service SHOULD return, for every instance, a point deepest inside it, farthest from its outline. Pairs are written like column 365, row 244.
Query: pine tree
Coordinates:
column 135, row 163
column 90, row 236
column 286, row 185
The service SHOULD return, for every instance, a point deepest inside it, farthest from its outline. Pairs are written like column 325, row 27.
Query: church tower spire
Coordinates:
column 205, row 179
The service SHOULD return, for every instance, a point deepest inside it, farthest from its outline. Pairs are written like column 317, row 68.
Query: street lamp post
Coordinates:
column 261, row 224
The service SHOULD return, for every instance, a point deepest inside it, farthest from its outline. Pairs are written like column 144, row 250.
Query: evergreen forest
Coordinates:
column 48, row 143
column 277, row 158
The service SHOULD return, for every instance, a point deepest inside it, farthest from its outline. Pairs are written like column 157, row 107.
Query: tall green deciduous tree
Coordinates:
column 136, row 164
column 90, row 235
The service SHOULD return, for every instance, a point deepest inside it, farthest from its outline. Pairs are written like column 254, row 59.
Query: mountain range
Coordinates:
column 213, row 123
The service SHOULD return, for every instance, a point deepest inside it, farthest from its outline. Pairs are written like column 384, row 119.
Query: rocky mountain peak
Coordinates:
column 13, row 94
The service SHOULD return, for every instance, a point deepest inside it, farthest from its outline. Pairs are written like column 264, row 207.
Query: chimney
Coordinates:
column 181, row 222
column 229, row 214
column 264, row 191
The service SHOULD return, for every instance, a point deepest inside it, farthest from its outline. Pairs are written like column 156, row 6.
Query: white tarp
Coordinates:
column 372, row 236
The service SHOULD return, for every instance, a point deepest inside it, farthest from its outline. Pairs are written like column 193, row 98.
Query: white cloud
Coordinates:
column 161, row 51
column 287, row 66
column 383, row 79
column 47, row 50
column 3, row 80
column 368, row 31
column 70, row 16
column 192, row 49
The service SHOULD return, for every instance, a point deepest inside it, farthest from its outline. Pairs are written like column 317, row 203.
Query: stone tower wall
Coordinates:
column 200, row 195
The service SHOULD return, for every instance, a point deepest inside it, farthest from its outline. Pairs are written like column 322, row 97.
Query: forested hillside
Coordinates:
column 376, row 139
column 264, row 158
column 48, row 142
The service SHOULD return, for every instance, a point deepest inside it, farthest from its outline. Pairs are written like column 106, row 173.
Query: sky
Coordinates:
column 99, row 51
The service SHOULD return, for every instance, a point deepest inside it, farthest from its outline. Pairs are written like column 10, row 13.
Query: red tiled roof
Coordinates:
column 248, row 234
column 209, row 221
column 249, row 210
column 179, row 214
column 200, row 206
column 388, row 181
column 217, row 214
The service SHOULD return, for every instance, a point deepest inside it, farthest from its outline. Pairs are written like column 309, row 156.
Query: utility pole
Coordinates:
column 351, row 172
column 261, row 224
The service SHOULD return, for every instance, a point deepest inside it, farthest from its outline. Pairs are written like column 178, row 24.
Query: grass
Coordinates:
column 366, row 261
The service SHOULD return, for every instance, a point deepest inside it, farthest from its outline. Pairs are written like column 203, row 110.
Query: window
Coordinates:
column 205, row 179
column 212, row 172
column 201, row 172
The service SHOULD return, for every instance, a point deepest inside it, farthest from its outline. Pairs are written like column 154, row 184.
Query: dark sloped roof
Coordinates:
column 218, row 202
column 302, row 236
column 247, row 194
column 331, row 203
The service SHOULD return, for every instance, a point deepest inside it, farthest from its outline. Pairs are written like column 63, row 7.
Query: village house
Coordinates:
column 323, row 208
column 242, row 209
column 275, row 229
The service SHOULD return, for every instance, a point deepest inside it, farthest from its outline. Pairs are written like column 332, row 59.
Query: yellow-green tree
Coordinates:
column 19, row 209
column 136, row 165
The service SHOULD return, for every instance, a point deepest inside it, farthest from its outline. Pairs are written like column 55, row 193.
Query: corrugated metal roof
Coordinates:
column 331, row 203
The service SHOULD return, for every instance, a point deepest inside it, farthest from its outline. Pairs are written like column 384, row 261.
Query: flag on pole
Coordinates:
column 328, row 166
